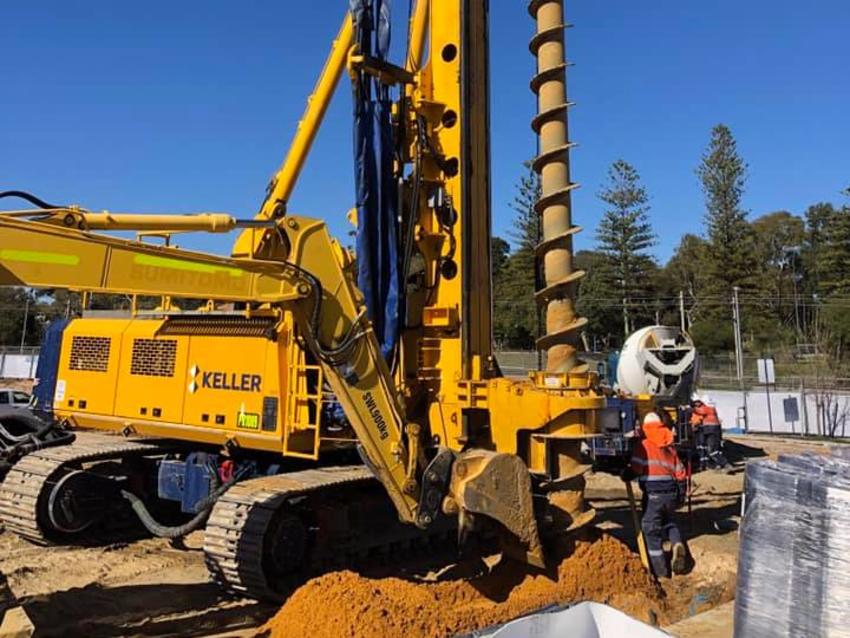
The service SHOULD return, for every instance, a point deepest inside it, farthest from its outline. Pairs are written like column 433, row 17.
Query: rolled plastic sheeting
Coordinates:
column 585, row 620
column 794, row 555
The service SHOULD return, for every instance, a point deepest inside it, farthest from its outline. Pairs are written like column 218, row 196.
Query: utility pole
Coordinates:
column 682, row 310
column 797, row 323
column 625, row 318
column 736, row 324
column 739, row 351
column 816, row 299
column 26, row 317
column 792, row 257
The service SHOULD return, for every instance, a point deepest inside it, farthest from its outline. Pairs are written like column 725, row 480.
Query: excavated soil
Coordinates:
column 348, row 604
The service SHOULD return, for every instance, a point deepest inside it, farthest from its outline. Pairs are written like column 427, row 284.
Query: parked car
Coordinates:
column 12, row 401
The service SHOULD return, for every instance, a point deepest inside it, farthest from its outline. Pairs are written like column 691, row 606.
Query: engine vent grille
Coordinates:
column 220, row 326
column 153, row 357
column 90, row 354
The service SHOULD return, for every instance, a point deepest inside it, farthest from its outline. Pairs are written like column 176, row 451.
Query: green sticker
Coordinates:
column 248, row 421
column 39, row 257
column 179, row 264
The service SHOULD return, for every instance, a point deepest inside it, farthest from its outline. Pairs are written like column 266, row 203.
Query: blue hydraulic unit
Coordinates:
column 613, row 448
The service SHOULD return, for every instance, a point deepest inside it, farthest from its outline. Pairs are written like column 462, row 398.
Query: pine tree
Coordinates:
column 723, row 174
column 732, row 258
column 625, row 235
column 516, row 319
column 832, row 317
column 596, row 295
column 526, row 232
column 818, row 218
column 835, row 255
column 687, row 267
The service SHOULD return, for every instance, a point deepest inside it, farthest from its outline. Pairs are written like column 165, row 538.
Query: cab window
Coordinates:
column 20, row 398
column 4, row 398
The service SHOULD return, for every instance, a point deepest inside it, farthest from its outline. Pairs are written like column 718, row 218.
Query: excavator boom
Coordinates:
column 313, row 285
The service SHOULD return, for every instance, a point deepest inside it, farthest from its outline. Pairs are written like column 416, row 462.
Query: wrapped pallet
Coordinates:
column 794, row 557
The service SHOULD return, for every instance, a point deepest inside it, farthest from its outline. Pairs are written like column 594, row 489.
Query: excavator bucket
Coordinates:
column 498, row 486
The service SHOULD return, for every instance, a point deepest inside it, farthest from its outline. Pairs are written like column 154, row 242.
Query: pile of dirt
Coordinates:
column 347, row 604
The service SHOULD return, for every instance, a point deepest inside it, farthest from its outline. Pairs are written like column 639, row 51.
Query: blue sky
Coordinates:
column 183, row 106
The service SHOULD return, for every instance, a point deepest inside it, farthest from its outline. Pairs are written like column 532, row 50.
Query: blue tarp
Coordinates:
column 377, row 191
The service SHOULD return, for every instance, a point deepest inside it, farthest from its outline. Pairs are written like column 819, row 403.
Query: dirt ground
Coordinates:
column 150, row 588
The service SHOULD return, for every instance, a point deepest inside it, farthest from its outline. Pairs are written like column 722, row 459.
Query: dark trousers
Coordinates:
column 658, row 526
column 710, row 447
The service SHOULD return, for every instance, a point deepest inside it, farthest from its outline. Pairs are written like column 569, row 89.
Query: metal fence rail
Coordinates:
column 823, row 401
column 29, row 350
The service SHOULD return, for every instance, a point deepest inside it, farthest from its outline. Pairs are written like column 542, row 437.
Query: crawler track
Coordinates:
column 28, row 483
column 266, row 535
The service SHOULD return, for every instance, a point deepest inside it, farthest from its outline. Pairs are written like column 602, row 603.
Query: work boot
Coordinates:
column 678, row 562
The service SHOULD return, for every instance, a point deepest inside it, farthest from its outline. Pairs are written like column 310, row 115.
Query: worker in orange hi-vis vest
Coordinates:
column 663, row 479
column 708, row 432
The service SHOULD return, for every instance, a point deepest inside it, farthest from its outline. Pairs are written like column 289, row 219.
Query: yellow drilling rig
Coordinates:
column 243, row 392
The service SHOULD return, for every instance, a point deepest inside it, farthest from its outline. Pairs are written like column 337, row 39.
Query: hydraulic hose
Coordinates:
column 178, row 531
column 36, row 440
column 32, row 199
column 164, row 531
column 40, row 438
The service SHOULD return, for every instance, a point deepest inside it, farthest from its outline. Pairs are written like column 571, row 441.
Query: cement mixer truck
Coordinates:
column 660, row 361
column 656, row 370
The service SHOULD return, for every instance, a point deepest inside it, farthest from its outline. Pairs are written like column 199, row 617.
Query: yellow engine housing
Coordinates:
column 227, row 381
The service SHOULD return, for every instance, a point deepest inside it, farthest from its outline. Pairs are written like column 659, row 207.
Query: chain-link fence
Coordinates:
column 791, row 372
column 810, row 396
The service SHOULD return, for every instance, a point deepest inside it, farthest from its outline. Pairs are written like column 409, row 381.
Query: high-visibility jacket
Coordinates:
column 704, row 415
column 654, row 457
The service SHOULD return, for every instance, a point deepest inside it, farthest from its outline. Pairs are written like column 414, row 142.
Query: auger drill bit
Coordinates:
column 558, row 296
column 563, row 325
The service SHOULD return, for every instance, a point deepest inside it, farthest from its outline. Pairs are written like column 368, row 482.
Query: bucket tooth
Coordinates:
column 498, row 486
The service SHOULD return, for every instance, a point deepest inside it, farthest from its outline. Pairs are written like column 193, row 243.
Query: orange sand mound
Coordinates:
column 347, row 604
